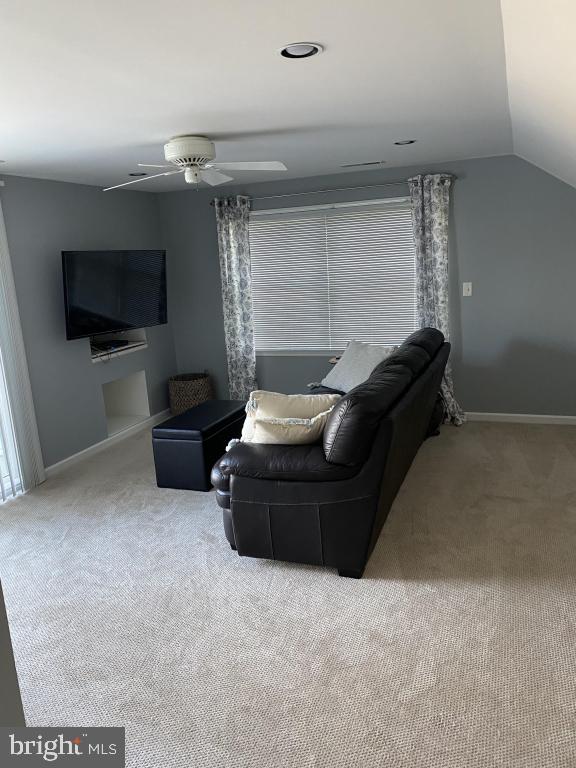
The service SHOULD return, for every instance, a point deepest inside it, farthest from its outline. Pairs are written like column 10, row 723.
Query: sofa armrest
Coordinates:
column 302, row 463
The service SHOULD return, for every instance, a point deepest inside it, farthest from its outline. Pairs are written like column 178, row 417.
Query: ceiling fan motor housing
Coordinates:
column 189, row 151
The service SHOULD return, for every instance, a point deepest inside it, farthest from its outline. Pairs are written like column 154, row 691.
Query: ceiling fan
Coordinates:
column 193, row 156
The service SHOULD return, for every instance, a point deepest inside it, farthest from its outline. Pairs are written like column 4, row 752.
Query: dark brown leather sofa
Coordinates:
column 325, row 504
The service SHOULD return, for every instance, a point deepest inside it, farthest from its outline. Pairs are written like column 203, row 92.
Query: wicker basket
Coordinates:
column 187, row 390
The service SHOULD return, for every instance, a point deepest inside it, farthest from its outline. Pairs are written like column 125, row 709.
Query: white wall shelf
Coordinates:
column 136, row 341
column 103, row 357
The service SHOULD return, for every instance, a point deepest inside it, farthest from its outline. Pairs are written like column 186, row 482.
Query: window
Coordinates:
column 10, row 482
column 323, row 275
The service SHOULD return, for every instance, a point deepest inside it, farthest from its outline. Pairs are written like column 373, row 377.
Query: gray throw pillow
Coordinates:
column 356, row 364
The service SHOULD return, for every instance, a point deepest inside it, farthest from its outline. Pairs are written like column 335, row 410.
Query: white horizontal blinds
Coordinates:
column 324, row 275
column 371, row 261
column 10, row 480
column 289, row 282
column 21, row 465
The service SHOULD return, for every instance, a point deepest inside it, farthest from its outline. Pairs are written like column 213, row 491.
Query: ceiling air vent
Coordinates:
column 364, row 165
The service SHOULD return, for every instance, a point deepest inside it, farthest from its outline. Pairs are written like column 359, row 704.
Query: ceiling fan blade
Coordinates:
column 214, row 177
column 264, row 165
column 144, row 178
column 153, row 165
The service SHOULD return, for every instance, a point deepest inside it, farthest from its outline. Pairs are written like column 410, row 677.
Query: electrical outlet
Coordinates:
column 466, row 289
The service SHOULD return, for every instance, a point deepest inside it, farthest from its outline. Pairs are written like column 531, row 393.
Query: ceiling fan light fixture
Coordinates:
column 300, row 50
column 192, row 176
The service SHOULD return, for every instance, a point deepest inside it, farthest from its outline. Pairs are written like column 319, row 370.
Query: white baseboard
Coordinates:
column 522, row 418
column 97, row 447
column 511, row 418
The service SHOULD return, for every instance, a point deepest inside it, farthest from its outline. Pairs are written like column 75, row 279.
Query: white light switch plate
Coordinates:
column 466, row 289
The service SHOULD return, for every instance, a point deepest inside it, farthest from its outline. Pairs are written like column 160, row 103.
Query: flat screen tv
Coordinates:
column 113, row 291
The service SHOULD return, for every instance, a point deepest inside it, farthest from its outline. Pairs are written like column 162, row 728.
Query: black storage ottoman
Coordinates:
column 187, row 446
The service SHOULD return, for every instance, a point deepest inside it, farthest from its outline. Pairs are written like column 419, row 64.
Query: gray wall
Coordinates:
column 42, row 219
column 512, row 235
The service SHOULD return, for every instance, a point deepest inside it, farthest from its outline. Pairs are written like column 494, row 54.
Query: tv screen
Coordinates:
column 110, row 291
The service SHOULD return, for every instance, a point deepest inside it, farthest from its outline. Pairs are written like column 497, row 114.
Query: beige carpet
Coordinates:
column 456, row 650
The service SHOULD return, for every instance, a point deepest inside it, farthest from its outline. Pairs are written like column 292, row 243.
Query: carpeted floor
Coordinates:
column 456, row 650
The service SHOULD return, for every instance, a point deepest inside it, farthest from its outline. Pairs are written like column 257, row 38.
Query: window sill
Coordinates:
column 298, row 353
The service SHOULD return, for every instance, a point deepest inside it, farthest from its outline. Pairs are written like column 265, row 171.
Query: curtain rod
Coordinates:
column 338, row 189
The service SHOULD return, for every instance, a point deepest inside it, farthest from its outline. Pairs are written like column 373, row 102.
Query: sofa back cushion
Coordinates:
column 352, row 424
column 413, row 357
column 350, row 428
column 430, row 339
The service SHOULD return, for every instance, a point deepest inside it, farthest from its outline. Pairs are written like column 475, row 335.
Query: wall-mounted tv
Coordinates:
column 112, row 291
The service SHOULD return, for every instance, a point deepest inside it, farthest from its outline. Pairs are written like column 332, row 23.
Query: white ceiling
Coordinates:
column 90, row 88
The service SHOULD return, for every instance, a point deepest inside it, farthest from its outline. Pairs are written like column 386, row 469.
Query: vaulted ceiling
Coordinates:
column 89, row 89
column 540, row 44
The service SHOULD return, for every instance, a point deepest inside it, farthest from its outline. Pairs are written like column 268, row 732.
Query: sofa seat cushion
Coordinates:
column 303, row 463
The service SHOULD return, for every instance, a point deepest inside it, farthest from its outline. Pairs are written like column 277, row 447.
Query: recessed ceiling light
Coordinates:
column 138, row 173
column 300, row 50
column 404, row 142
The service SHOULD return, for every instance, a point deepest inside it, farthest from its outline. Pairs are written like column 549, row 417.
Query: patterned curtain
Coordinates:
column 430, row 195
column 234, row 247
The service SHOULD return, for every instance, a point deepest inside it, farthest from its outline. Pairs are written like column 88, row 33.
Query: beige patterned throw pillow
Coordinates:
column 289, row 431
column 274, row 418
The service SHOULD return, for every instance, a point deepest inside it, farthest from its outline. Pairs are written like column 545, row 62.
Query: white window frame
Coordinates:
column 390, row 201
